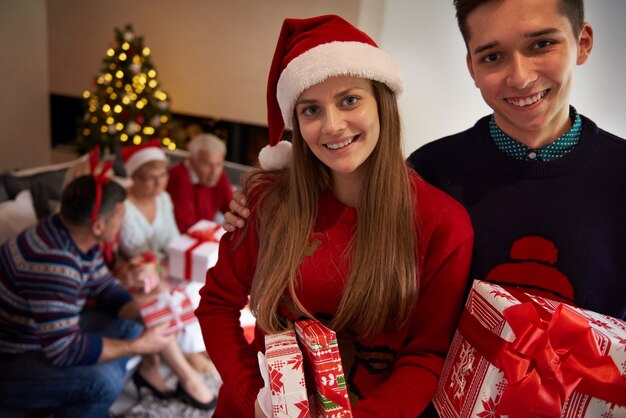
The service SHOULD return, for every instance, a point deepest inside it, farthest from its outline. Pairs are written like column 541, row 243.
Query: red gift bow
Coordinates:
column 202, row 236
column 552, row 356
column 148, row 257
column 100, row 178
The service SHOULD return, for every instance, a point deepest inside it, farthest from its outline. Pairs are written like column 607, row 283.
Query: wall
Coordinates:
column 440, row 97
column 24, row 115
column 212, row 57
column 600, row 85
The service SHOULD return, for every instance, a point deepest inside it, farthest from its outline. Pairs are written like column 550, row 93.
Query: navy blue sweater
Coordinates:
column 45, row 281
column 555, row 228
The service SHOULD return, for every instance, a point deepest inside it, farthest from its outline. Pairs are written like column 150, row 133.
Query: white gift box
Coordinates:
column 189, row 256
column 283, row 373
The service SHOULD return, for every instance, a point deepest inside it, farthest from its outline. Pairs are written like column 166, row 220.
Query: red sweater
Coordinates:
column 193, row 202
column 392, row 375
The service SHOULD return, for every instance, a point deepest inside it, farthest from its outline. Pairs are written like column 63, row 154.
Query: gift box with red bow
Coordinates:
column 322, row 354
column 193, row 253
column 282, row 369
column 173, row 307
column 519, row 355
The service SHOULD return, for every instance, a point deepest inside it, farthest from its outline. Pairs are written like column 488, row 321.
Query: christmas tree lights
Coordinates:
column 127, row 105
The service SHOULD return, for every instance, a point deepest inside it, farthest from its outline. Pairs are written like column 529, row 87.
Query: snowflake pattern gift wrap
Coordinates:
column 520, row 355
column 322, row 351
column 282, row 369
column 173, row 307
column 193, row 253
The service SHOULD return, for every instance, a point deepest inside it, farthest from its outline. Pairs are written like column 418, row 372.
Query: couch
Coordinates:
column 31, row 194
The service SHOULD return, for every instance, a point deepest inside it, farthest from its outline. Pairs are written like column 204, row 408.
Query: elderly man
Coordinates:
column 198, row 185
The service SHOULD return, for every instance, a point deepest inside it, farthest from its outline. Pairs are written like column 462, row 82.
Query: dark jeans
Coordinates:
column 28, row 380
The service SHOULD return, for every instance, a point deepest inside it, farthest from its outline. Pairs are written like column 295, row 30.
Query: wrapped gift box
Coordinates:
column 173, row 307
column 322, row 351
column 283, row 371
column 519, row 355
column 149, row 272
column 193, row 253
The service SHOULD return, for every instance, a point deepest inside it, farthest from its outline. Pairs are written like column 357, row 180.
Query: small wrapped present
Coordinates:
column 282, row 370
column 193, row 253
column 322, row 352
column 520, row 355
column 147, row 268
column 173, row 307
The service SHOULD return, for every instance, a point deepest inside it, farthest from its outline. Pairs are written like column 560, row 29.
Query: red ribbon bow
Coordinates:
column 551, row 357
column 148, row 257
column 205, row 235
column 201, row 236
column 100, row 178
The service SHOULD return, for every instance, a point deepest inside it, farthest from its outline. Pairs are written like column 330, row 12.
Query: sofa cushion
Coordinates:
column 16, row 215
column 45, row 184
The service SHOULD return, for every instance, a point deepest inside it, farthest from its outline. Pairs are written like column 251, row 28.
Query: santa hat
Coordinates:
column 308, row 52
column 135, row 156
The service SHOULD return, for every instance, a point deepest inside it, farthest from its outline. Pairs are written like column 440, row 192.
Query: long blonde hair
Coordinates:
column 382, row 287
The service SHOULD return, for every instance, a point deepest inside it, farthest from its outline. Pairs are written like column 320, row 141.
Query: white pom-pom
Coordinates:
column 276, row 157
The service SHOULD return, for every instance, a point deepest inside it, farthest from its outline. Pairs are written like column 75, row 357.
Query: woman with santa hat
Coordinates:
column 341, row 230
column 148, row 228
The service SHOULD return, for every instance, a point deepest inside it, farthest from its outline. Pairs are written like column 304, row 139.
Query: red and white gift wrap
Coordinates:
column 282, row 369
column 520, row 355
column 193, row 253
column 173, row 307
column 322, row 351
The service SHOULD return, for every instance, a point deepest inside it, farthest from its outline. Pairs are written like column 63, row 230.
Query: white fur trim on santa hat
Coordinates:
column 142, row 156
column 356, row 59
column 275, row 157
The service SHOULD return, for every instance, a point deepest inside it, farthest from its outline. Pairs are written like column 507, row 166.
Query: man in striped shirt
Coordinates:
column 54, row 353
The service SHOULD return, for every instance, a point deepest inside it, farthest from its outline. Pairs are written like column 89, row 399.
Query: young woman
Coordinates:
column 340, row 230
column 149, row 226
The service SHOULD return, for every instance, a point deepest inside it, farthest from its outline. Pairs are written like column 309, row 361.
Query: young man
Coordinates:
column 544, row 186
column 198, row 186
column 54, row 354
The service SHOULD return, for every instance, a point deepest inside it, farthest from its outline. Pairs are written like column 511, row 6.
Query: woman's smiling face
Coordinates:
column 338, row 120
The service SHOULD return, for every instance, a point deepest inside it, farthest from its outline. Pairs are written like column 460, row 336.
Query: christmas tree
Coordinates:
column 126, row 105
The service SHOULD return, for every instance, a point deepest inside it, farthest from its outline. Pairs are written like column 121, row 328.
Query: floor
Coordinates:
column 128, row 404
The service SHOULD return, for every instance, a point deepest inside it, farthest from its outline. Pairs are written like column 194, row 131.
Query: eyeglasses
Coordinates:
column 155, row 178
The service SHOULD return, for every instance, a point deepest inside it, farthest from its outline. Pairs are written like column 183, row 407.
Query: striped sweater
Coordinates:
column 45, row 281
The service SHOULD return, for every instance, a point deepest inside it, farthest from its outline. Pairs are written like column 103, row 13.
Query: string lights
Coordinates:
column 126, row 105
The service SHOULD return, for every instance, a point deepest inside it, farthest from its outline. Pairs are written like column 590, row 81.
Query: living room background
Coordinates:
column 213, row 56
